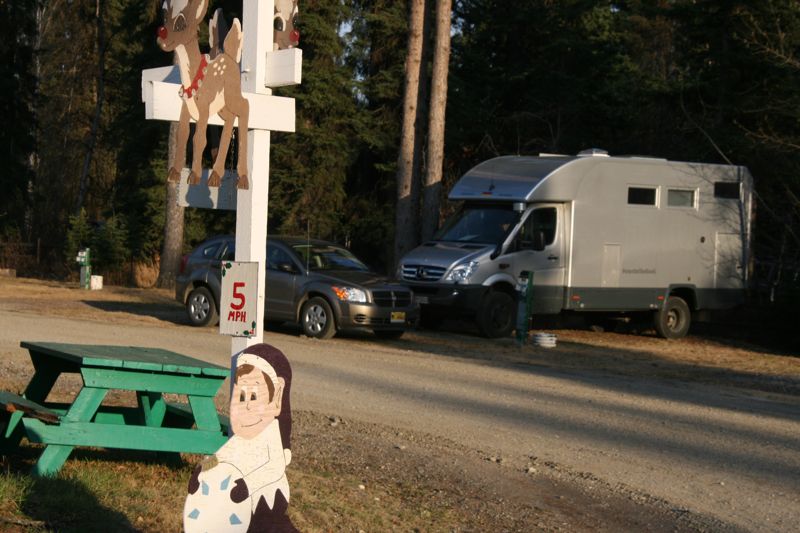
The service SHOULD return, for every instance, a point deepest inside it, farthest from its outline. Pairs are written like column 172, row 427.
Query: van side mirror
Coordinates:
column 538, row 241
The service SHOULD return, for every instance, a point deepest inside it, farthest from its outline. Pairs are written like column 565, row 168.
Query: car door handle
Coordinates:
column 504, row 265
column 552, row 258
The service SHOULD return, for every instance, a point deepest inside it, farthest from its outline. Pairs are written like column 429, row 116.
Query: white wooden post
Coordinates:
column 252, row 204
column 261, row 68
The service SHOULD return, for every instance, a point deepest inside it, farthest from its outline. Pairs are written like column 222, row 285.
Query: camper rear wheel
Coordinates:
column 497, row 315
column 673, row 319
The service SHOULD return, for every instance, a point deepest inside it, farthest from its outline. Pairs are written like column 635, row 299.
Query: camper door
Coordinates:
column 539, row 248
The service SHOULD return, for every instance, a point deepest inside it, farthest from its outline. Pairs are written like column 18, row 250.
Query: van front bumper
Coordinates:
column 458, row 299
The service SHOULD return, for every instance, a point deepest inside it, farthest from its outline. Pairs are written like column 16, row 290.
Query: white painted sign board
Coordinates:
column 262, row 68
column 205, row 197
column 238, row 307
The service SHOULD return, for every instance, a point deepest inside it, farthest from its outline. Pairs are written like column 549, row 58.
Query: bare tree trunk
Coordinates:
column 98, row 108
column 173, row 226
column 436, row 125
column 407, row 190
column 172, row 249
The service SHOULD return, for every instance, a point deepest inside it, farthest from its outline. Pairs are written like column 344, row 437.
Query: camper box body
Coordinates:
column 598, row 234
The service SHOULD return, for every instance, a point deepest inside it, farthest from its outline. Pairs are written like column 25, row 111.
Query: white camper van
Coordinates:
column 599, row 234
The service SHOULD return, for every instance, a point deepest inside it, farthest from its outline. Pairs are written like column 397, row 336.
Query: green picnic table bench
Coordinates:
column 153, row 424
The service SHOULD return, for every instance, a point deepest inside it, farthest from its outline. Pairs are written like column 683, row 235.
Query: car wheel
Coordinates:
column 389, row 334
column 200, row 308
column 673, row 319
column 317, row 320
column 497, row 314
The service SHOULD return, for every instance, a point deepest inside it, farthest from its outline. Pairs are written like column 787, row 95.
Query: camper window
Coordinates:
column 641, row 196
column 730, row 190
column 539, row 229
column 680, row 198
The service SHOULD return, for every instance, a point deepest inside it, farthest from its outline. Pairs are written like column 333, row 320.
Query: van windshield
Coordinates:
column 479, row 224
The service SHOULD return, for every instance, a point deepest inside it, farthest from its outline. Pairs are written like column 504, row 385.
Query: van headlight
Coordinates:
column 350, row 294
column 462, row 272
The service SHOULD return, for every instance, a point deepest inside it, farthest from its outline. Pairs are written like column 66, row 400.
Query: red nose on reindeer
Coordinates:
column 162, row 32
column 294, row 37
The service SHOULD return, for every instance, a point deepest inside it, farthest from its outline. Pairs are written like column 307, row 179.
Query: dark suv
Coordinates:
column 317, row 284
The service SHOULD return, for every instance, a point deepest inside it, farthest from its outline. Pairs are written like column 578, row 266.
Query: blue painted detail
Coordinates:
column 224, row 485
column 205, row 488
column 194, row 514
column 235, row 520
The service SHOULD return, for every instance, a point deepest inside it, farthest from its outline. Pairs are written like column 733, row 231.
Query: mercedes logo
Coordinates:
column 420, row 272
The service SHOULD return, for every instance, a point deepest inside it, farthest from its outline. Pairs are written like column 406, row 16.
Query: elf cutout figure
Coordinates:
column 243, row 487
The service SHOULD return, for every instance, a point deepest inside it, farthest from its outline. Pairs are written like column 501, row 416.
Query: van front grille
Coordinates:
column 423, row 272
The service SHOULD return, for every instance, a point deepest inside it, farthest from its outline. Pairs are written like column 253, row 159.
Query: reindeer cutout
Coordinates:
column 210, row 84
column 285, row 34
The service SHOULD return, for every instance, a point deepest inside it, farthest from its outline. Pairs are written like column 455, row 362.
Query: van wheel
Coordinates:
column 200, row 308
column 496, row 316
column 673, row 319
column 317, row 320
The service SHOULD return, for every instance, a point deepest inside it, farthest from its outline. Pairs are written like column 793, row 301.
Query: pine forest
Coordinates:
column 371, row 162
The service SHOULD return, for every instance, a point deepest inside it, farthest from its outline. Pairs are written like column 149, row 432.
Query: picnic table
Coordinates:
column 153, row 424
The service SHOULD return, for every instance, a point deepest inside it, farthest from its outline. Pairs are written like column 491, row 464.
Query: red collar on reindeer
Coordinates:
column 197, row 81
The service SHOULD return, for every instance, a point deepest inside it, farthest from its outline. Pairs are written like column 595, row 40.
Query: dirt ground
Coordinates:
column 449, row 486
column 709, row 358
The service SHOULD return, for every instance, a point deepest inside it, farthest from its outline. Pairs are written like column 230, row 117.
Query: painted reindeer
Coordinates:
column 285, row 34
column 209, row 85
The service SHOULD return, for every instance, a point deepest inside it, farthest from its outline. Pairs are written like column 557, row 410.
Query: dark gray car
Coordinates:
column 317, row 284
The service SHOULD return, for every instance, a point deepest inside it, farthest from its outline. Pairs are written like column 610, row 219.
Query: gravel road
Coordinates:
column 728, row 455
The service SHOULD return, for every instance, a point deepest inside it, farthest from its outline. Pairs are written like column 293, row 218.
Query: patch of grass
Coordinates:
column 324, row 502
column 99, row 492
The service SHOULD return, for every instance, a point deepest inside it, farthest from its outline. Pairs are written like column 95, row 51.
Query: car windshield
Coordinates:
column 326, row 257
column 479, row 224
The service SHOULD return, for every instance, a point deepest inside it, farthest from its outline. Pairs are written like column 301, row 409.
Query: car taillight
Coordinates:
column 184, row 261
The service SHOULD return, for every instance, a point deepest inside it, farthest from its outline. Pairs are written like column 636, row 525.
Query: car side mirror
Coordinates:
column 286, row 267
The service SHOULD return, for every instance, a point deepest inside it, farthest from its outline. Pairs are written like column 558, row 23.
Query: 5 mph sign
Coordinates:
column 238, row 308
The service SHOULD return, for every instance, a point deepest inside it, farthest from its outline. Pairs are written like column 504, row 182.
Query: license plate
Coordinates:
column 398, row 316
column 421, row 299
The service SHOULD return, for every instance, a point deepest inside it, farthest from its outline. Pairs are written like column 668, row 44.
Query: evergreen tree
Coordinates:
column 17, row 82
column 309, row 168
column 376, row 53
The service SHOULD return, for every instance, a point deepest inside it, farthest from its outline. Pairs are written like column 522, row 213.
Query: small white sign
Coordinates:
column 239, row 300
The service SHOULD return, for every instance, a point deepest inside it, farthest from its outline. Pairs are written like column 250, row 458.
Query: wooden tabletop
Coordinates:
column 133, row 357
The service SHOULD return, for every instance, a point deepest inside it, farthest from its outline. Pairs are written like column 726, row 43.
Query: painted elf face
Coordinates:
column 254, row 403
column 286, row 34
column 181, row 20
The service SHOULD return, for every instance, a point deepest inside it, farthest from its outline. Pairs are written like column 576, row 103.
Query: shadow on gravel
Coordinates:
column 166, row 312
column 602, row 367
column 681, row 434
column 460, row 339
column 726, row 329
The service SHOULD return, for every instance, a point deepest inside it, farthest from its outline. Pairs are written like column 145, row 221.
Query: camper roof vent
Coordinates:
column 593, row 152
